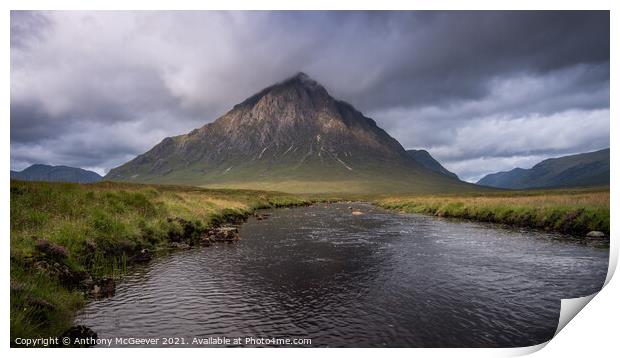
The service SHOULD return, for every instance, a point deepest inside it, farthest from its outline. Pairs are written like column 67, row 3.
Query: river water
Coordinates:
column 381, row 279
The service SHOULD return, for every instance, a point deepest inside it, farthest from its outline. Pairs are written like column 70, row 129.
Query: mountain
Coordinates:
column 292, row 136
column 426, row 160
column 42, row 172
column 586, row 169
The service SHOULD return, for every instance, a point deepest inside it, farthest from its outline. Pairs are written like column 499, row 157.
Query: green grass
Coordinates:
column 313, row 177
column 571, row 211
column 102, row 226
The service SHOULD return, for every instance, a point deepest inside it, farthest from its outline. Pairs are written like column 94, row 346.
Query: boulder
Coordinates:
column 261, row 216
column 180, row 245
column 143, row 256
column 224, row 233
column 103, row 287
column 595, row 235
column 356, row 212
column 87, row 283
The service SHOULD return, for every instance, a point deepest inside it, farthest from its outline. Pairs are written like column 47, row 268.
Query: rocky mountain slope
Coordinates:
column 586, row 169
column 426, row 160
column 292, row 136
column 60, row 173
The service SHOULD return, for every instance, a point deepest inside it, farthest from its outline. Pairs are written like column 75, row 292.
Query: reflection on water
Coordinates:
column 379, row 279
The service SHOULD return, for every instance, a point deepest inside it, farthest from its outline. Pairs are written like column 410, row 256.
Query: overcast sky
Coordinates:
column 481, row 91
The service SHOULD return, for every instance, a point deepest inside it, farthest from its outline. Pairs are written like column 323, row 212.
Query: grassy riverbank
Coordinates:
column 66, row 236
column 571, row 211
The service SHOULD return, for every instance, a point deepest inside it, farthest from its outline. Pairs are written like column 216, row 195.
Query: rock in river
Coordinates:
column 596, row 235
column 103, row 287
column 224, row 233
column 143, row 256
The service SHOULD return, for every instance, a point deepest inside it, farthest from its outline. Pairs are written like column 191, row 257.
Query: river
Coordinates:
column 381, row 279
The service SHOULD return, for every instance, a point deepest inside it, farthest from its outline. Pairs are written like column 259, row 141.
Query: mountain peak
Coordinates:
column 585, row 169
column 302, row 78
column 299, row 81
column 61, row 173
column 301, row 75
column 290, row 132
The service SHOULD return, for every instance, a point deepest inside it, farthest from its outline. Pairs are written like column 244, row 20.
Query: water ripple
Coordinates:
column 379, row 279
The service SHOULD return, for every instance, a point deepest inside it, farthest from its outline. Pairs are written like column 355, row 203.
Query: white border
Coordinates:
column 592, row 333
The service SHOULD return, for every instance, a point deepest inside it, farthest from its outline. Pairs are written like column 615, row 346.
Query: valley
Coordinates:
column 67, row 238
column 289, row 145
column 272, row 178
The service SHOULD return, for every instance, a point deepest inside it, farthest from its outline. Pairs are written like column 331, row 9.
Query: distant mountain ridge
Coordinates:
column 585, row 169
column 59, row 173
column 424, row 157
column 291, row 136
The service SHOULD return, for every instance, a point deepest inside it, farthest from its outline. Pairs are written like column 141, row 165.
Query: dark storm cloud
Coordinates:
column 95, row 89
column 27, row 26
column 29, row 123
column 442, row 57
